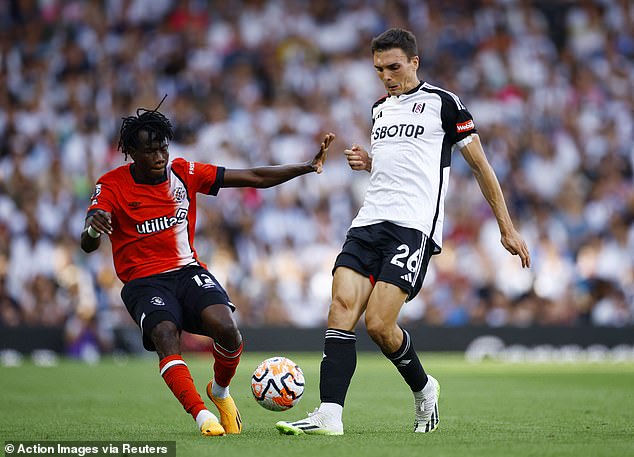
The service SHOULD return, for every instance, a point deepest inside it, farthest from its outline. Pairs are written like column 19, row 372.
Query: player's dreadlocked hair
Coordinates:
column 156, row 124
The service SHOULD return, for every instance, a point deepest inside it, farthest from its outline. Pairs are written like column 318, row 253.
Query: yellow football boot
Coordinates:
column 229, row 414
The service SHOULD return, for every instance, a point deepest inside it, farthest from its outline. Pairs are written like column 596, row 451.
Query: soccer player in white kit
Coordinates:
column 399, row 227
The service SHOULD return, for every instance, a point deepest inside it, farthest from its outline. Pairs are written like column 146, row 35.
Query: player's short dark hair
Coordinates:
column 396, row 38
column 152, row 121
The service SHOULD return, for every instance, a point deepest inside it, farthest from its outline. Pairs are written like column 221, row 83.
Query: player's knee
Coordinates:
column 218, row 323
column 165, row 330
column 226, row 334
column 377, row 329
column 340, row 314
column 165, row 336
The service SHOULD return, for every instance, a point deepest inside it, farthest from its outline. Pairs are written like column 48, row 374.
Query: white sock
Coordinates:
column 333, row 410
column 202, row 416
column 219, row 391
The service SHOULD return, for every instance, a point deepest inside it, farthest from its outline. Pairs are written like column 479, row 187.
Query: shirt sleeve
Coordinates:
column 457, row 121
column 102, row 198
column 202, row 177
column 219, row 181
column 464, row 125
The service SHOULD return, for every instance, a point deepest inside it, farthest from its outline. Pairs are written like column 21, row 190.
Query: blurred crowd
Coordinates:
column 254, row 82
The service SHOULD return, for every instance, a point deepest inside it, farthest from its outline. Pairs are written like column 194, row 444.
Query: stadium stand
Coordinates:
column 550, row 84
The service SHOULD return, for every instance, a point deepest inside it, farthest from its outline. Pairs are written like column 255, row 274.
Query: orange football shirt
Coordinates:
column 153, row 224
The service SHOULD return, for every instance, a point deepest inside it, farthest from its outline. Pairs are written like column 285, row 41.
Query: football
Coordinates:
column 277, row 384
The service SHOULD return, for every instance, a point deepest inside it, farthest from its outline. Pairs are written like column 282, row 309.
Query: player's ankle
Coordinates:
column 203, row 416
column 217, row 391
column 333, row 411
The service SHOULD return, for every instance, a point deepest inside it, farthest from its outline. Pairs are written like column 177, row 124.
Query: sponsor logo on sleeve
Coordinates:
column 95, row 194
column 465, row 126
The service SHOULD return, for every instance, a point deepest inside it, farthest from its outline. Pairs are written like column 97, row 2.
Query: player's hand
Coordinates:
column 101, row 222
column 358, row 158
column 515, row 244
column 319, row 160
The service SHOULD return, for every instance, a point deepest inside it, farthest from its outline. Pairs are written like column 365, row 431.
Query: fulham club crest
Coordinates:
column 418, row 108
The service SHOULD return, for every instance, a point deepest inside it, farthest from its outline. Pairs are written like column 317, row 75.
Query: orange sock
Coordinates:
column 225, row 363
column 177, row 377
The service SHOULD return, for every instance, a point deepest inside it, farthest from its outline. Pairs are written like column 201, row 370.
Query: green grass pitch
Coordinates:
column 487, row 409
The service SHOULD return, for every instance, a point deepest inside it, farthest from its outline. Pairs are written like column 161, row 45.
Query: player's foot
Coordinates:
column 426, row 407
column 229, row 414
column 211, row 427
column 315, row 424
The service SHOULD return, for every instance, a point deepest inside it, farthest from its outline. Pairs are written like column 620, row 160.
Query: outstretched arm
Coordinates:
column 263, row 177
column 490, row 186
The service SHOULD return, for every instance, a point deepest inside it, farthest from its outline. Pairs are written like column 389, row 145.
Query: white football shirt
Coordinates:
column 413, row 135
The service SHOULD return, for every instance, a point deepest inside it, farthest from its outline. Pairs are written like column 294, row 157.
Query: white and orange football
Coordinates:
column 277, row 384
